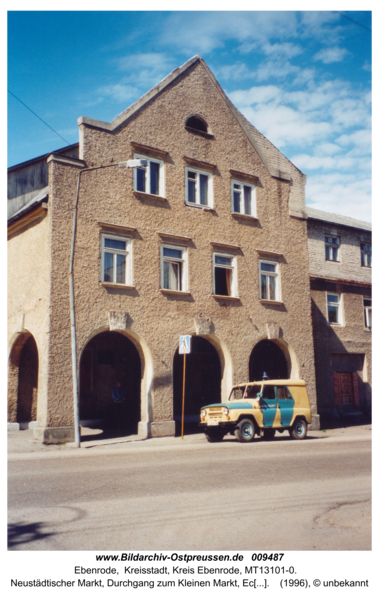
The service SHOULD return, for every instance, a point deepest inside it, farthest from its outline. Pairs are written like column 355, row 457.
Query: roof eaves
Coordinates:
column 38, row 199
column 319, row 215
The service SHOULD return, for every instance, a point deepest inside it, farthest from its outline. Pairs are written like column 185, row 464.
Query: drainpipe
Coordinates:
column 131, row 164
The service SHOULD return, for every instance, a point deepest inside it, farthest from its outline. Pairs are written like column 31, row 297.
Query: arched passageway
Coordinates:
column 110, row 357
column 267, row 357
column 23, row 380
column 203, row 383
column 27, row 397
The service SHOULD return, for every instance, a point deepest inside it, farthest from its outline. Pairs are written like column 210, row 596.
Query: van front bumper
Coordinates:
column 228, row 425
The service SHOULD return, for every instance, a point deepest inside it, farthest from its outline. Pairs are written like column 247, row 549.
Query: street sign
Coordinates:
column 185, row 344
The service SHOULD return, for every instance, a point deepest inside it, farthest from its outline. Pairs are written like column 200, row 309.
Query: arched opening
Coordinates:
column 203, row 383
column 23, row 380
column 197, row 123
column 267, row 357
column 110, row 357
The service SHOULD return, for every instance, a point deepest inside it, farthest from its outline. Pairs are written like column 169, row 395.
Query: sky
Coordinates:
column 303, row 79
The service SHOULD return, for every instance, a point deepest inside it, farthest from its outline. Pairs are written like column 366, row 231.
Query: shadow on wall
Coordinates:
column 341, row 376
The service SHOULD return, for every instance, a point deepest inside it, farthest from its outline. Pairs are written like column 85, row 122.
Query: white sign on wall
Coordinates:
column 185, row 344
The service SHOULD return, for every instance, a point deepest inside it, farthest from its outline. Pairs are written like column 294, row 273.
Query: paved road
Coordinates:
column 190, row 495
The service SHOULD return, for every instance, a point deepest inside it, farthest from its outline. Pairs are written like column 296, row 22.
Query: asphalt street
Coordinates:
column 188, row 494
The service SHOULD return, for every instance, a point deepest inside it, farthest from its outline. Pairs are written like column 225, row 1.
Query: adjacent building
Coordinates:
column 211, row 238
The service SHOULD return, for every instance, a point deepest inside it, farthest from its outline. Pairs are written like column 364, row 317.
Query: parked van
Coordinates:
column 262, row 408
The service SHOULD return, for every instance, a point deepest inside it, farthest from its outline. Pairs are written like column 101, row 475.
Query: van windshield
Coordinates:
column 252, row 391
column 237, row 393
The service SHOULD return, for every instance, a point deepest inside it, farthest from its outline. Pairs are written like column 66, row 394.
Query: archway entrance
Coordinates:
column 110, row 357
column 203, row 383
column 267, row 357
column 28, row 383
column 23, row 380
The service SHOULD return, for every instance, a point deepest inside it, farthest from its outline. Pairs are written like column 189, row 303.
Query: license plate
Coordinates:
column 212, row 422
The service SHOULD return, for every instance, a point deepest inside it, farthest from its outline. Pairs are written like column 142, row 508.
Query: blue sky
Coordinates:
column 301, row 78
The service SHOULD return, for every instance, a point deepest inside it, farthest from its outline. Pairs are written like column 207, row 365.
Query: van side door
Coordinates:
column 286, row 404
column 268, row 405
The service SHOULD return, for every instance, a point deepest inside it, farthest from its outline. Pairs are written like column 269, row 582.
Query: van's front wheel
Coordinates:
column 299, row 430
column 245, row 431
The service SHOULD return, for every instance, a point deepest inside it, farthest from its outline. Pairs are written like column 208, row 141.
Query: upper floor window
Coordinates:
column 174, row 268
column 199, row 188
column 243, row 199
column 197, row 123
column 367, row 304
column 366, row 255
column 224, row 275
column 334, row 308
column 150, row 179
column 269, row 280
column 332, row 245
column 116, row 260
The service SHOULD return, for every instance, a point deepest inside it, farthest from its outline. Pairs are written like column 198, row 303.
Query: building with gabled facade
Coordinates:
column 209, row 239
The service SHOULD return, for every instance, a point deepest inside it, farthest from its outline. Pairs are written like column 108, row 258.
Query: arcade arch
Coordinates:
column 23, row 379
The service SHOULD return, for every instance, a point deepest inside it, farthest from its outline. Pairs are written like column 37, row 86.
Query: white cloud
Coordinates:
column 202, row 32
column 347, row 196
column 285, row 49
column 117, row 92
column 331, row 55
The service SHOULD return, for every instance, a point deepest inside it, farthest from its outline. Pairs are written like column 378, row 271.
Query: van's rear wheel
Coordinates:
column 214, row 436
column 245, row 431
column 299, row 430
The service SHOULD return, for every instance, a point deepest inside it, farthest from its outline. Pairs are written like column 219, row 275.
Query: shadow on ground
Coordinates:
column 25, row 533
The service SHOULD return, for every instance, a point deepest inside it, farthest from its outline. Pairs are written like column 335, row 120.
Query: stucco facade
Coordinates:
column 128, row 323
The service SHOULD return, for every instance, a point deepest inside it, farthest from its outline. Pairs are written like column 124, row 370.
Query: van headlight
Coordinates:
column 225, row 410
column 203, row 413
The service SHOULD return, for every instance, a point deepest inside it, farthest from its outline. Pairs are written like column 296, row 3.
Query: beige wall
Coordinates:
column 28, row 304
column 349, row 263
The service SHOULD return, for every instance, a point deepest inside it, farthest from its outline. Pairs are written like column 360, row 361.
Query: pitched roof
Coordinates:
column 320, row 215
column 271, row 157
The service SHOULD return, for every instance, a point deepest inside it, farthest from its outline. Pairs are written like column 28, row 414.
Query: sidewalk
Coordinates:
column 22, row 442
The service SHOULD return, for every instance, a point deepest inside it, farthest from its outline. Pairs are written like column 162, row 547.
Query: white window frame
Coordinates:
column 330, row 246
column 365, row 254
column 233, row 269
column 147, row 176
column 368, row 313
column 337, row 304
column 197, row 195
column 253, row 212
column 276, row 274
column 128, row 262
column 183, row 261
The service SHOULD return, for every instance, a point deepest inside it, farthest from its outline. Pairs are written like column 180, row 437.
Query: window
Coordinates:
column 332, row 245
column 199, row 188
column 116, row 260
column 243, row 199
column 197, row 123
column 224, row 275
column 150, row 179
column 368, row 314
column 174, row 268
column 366, row 255
column 334, row 308
column 269, row 281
